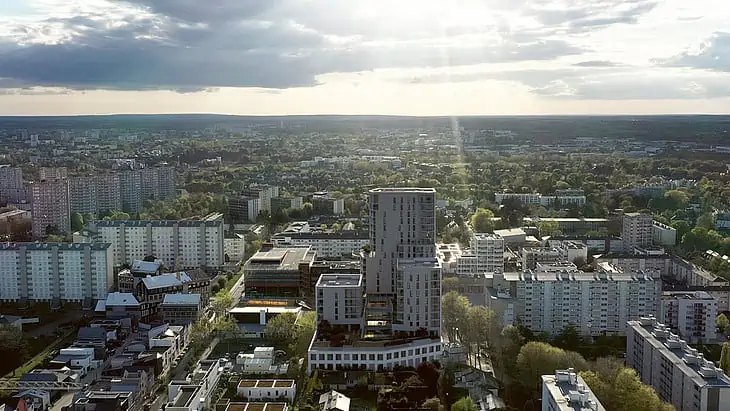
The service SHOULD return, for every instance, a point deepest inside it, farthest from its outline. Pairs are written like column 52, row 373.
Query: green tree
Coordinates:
column 479, row 330
column 282, row 331
column 306, row 326
column 481, row 221
column 454, row 309
column 464, row 404
column 676, row 200
column 706, row 221
column 622, row 390
column 13, row 347
column 548, row 228
column 222, row 302
column 433, row 404
column 723, row 323
column 77, row 222
column 537, row 358
column 200, row 333
column 725, row 358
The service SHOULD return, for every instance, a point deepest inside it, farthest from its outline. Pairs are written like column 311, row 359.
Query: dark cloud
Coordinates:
column 714, row 55
column 192, row 45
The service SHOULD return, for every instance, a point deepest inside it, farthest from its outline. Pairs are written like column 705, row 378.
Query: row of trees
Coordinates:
column 473, row 326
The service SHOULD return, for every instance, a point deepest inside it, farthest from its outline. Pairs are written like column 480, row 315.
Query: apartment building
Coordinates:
column 154, row 290
column 50, row 206
column 130, row 188
column 157, row 183
column 83, row 195
column 234, row 247
column 449, row 255
column 556, row 295
column 283, row 203
column 340, row 299
column 331, row 245
column 264, row 194
column 55, row 272
column 181, row 244
column 678, row 373
column 418, row 301
column 277, row 272
column 323, row 203
column 567, row 391
column 485, row 255
column 690, row 314
column 53, row 173
column 243, row 209
column 543, row 200
column 636, row 231
column 181, row 309
column 663, row 235
column 108, row 193
column 12, row 188
column 195, row 392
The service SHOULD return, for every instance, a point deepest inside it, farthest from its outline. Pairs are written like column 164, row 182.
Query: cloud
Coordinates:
column 191, row 45
column 598, row 63
column 714, row 54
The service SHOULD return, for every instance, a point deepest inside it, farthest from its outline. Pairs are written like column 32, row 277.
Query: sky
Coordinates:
column 399, row 57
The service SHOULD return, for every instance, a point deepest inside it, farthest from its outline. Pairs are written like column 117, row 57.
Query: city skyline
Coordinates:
column 406, row 58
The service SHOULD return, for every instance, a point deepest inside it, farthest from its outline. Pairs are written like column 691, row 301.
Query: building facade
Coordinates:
column 678, row 373
column 340, row 299
column 663, row 235
column 12, row 188
column 181, row 244
column 83, row 195
column 243, row 209
column 181, row 309
column 690, row 314
column 130, row 188
column 277, row 272
column 50, row 207
column 485, row 255
column 108, row 193
column 55, row 272
column 332, row 245
column 636, row 231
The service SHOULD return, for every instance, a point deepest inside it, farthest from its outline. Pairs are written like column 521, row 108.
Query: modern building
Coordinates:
column 678, row 373
column 154, row 290
column 636, row 231
column 108, row 193
column 567, row 391
column 543, row 200
column 485, row 255
column 122, row 305
column 55, row 272
column 53, row 173
column 264, row 194
column 401, row 320
column 181, row 244
column 327, row 244
column 243, row 209
column 663, row 235
column 83, row 195
column 323, row 203
column 277, row 272
column 234, row 247
column 334, row 401
column 181, row 309
column 267, row 390
column 195, row 392
column 449, row 255
column 340, row 299
column 556, row 295
column 50, row 206
column 690, row 314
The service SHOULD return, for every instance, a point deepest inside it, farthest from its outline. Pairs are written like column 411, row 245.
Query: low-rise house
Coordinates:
column 77, row 359
column 263, row 390
column 253, row 406
column 103, row 400
column 262, row 361
column 196, row 390
column 11, row 320
column 334, row 401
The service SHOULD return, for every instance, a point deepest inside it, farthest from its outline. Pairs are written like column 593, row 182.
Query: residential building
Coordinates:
column 181, row 309
column 11, row 320
column 50, row 206
column 181, row 244
column 253, row 406
column 678, row 373
column 122, row 305
column 327, row 244
column 130, row 186
column 55, row 272
column 449, row 255
column 12, row 188
column 83, row 195
column 340, row 299
column 562, row 200
column 512, row 235
column 375, row 355
column 663, row 235
column 243, row 209
column 283, row 203
column 102, row 400
column 234, row 247
column 311, row 274
column 334, row 401
column 277, row 272
column 533, row 255
column 556, row 295
column 108, row 193
column 53, row 173
column 636, row 231
column 267, row 390
column 196, row 391
column 262, row 361
column 690, row 314
column 485, row 255
column 157, row 183
column 567, row 391
column 154, row 290
column 253, row 316
column 264, row 194
column 323, row 203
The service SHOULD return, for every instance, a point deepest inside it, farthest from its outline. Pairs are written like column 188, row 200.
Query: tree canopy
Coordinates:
column 481, row 221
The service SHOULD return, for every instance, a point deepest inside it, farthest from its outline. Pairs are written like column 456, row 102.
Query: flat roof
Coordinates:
column 685, row 295
column 158, row 223
column 562, row 389
column 339, row 280
column 271, row 310
column 403, row 190
column 284, row 258
column 265, row 383
column 257, row 406
column 181, row 299
column 509, row 232
column 12, row 213
column 51, row 246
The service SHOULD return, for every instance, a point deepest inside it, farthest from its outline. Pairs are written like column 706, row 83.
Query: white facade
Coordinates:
column 195, row 392
column 182, row 244
column 338, row 206
column 326, row 245
column 419, row 296
column 543, row 200
column 234, row 247
column 375, row 357
column 567, row 391
column 553, row 297
column 691, row 314
column 486, row 255
column 678, row 373
column 339, row 299
column 636, row 231
column 55, row 272
column 262, row 390
column 663, row 234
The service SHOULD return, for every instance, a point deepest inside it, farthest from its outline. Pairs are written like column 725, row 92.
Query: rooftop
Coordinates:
column 570, row 392
column 266, row 383
column 13, row 213
column 339, row 280
column 51, row 246
column 121, row 299
column 687, row 359
column 404, row 190
column 684, row 295
column 334, row 400
column 257, row 406
column 159, row 223
column 166, row 280
column 181, row 299
column 279, row 258
column 271, row 310
column 149, row 267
